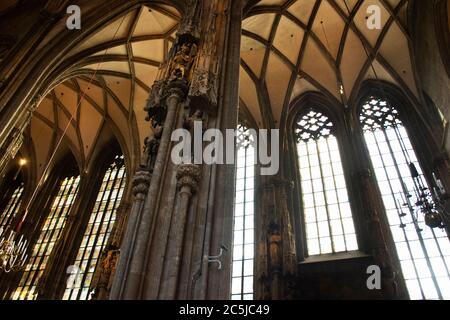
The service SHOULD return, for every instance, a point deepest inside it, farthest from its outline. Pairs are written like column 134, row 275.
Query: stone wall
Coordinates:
column 431, row 70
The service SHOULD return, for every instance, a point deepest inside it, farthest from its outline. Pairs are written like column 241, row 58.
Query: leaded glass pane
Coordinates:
column 243, row 239
column 326, row 210
column 424, row 253
column 48, row 236
column 97, row 232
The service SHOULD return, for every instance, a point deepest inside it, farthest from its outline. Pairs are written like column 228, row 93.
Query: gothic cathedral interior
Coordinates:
column 224, row 149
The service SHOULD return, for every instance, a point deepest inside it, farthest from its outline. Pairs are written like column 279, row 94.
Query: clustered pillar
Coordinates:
column 174, row 223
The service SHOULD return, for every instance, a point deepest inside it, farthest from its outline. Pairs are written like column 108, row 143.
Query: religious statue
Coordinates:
column 151, row 145
column 110, row 260
column 182, row 62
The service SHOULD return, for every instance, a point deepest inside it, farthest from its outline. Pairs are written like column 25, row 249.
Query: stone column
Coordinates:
column 374, row 227
column 188, row 176
column 141, row 183
column 276, row 263
column 165, row 251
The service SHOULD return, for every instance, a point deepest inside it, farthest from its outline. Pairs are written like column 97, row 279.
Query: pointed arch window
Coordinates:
column 326, row 209
column 98, row 230
column 48, row 236
column 243, row 230
column 424, row 253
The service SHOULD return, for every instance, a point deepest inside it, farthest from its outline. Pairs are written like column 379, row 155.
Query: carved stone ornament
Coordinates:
column 202, row 93
column 141, row 183
column 181, row 64
column 153, row 107
column 189, row 24
column 110, row 260
column 188, row 175
column 151, row 146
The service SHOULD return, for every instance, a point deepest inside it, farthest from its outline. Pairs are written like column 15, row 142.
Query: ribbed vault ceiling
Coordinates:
column 293, row 46
column 113, row 71
column 288, row 47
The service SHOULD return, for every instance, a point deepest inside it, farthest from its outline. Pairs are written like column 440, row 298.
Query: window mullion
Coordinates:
column 325, row 197
column 415, row 222
column 87, row 258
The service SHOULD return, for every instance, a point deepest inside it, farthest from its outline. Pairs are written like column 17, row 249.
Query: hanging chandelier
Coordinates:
column 12, row 251
column 430, row 203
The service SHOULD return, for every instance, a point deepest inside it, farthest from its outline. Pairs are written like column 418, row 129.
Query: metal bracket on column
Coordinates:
column 216, row 259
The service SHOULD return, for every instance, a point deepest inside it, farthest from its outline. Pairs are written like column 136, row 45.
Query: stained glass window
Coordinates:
column 424, row 253
column 48, row 236
column 243, row 241
column 327, row 213
column 98, row 230
column 12, row 207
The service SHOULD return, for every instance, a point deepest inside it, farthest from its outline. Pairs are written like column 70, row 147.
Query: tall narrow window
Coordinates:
column 12, row 206
column 98, row 230
column 49, row 235
column 327, row 214
column 243, row 242
column 424, row 253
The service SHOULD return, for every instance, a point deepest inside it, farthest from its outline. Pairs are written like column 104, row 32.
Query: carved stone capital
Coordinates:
column 176, row 89
column 141, row 183
column 188, row 176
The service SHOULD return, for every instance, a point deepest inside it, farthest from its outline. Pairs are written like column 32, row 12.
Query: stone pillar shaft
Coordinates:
column 140, row 234
column 162, row 257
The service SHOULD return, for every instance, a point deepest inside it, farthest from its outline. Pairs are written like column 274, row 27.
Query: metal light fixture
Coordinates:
column 430, row 203
column 12, row 251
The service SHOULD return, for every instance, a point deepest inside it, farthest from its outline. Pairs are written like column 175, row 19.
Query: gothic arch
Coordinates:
column 320, row 103
column 416, row 121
